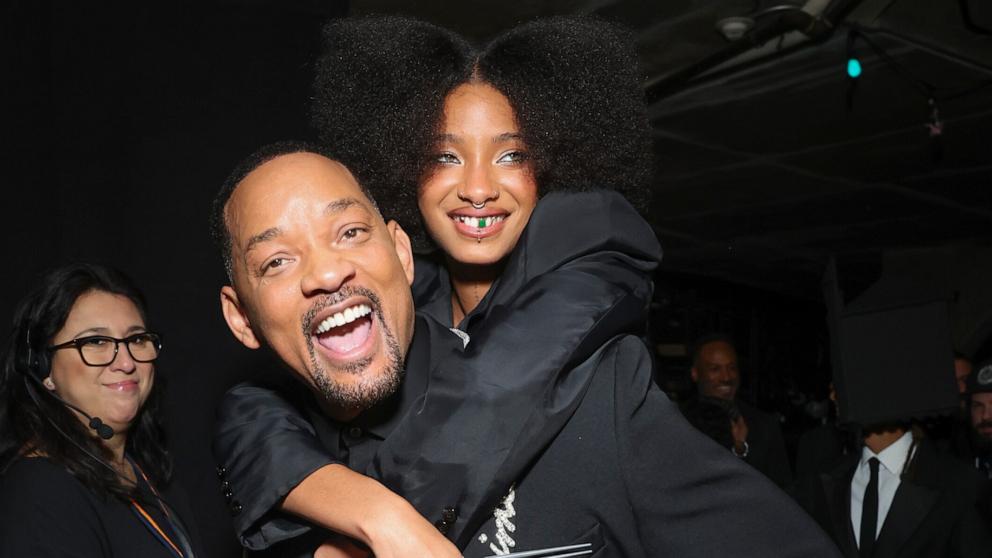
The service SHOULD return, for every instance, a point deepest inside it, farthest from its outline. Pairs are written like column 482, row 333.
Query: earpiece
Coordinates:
column 96, row 423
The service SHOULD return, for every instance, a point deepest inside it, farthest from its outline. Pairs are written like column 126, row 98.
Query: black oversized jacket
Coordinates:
column 580, row 274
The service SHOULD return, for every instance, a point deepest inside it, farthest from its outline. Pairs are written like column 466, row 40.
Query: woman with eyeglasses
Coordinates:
column 83, row 467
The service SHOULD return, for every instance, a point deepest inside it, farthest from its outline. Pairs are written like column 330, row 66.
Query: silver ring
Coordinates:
column 478, row 205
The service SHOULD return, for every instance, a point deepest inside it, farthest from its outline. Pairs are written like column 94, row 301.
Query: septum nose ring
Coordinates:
column 478, row 205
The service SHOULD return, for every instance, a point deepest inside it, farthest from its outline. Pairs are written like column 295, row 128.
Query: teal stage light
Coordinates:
column 853, row 67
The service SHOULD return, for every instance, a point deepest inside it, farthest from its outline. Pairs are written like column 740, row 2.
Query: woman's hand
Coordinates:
column 360, row 507
column 397, row 530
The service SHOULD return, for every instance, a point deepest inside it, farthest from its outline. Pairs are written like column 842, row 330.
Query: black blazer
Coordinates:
column 934, row 513
column 766, row 447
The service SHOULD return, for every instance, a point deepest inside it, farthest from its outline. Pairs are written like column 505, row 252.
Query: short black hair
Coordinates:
column 573, row 83
column 714, row 337
column 218, row 223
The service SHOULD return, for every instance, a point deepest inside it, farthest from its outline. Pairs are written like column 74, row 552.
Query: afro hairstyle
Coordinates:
column 573, row 83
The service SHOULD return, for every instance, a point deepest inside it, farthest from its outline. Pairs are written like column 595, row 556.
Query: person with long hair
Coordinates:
column 84, row 470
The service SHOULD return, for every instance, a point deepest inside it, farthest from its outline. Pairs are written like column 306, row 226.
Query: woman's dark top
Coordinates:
column 580, row 274
column 45, row 512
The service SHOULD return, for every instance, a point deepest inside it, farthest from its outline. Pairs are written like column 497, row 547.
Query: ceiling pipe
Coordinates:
column 815, row 26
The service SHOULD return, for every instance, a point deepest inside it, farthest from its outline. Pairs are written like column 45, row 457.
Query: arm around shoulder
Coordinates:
column 264, row 447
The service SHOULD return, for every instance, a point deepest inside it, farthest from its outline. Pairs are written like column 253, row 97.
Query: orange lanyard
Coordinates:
column 149, row 521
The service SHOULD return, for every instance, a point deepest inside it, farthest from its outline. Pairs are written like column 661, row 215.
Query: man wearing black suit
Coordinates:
column 757, row 437
column 899, row 497
column 979, row 401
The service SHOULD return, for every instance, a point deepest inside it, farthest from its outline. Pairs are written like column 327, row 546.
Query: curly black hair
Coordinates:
column 573, row 83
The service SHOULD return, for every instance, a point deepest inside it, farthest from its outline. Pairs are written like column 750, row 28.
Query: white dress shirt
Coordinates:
column 891, row 462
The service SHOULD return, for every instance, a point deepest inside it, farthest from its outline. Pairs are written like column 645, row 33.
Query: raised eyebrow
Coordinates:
column 99, row 330
column 105, row 332
column 449, row 138
column 508, row 136
column 337, row 206
column 264, row 236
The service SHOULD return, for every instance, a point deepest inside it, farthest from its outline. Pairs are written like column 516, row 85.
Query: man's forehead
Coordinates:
column 291, row 182
column 718, row 348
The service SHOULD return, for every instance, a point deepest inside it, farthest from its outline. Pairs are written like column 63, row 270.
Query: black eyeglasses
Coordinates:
column 101, row 350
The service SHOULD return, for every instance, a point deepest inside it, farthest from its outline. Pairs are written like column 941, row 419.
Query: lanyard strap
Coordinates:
column 153, row 526
column 149, row 521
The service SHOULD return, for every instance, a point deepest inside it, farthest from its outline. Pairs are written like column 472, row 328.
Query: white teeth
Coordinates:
column 479, row 222
column 349, row 315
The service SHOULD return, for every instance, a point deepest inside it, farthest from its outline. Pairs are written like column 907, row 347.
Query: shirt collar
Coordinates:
column 382, row 419
column 894, row 457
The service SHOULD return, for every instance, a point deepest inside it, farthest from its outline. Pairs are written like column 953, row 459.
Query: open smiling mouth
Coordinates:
column 479, row 226
column 346, row 333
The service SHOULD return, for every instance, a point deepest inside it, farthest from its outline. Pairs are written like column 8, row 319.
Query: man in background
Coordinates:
column 979, row 392
column 757, row 437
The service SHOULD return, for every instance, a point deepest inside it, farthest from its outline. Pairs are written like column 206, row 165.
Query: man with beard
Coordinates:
column 980, row 404
column 303, row 245
column 319, row 279
column 757, row 437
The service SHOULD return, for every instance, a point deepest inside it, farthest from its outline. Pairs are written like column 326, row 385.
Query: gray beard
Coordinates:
column 372, row 389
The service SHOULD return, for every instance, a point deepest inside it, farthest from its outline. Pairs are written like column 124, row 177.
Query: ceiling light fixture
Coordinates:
column 734, row 27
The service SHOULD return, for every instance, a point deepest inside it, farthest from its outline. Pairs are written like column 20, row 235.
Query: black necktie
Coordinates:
column 869, row 512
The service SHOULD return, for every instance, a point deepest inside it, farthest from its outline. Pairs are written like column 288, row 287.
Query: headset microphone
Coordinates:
column 96, row 423
column 102, row 430
column 105, row 432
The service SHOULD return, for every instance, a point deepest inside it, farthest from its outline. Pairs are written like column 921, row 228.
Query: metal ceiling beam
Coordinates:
column 752, row 159
column 816, row 27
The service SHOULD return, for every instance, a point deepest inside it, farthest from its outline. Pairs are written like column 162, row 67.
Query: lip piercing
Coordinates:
column 478, row 205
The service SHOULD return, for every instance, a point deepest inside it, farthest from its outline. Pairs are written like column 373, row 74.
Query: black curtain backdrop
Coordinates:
column 121, row 121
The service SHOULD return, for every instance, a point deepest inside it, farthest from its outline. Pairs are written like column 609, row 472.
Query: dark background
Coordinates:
column 122, row 119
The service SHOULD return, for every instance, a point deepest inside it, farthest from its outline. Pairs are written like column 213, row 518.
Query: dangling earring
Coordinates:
column 48, row 383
